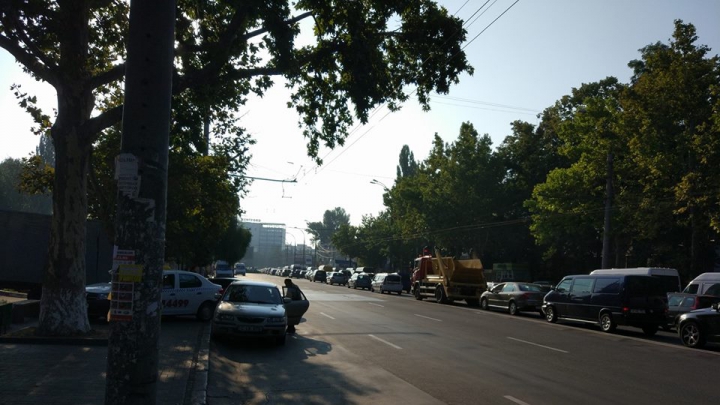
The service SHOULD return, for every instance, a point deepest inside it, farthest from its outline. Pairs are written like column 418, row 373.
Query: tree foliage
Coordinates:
column 224, row 52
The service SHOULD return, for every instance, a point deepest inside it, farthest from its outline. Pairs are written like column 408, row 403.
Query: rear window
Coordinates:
column 393, row 279
column 637, row 286
column 320, row 273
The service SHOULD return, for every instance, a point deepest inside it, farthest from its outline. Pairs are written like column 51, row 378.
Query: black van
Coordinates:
column 609, row 300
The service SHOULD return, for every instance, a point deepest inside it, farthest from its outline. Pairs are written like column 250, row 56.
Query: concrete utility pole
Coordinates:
column 605, row 261
column 141, row 174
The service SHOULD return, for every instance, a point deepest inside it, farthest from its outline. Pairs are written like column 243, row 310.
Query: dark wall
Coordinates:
column 24, row 239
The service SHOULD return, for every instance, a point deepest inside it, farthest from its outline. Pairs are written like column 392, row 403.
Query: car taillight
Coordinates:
column 626, row 309
column 526, row 295
column 696, row 301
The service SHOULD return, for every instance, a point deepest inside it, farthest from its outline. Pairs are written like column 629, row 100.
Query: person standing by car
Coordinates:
column 292, row 291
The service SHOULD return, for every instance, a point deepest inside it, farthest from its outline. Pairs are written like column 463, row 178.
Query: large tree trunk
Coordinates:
column 63, row 309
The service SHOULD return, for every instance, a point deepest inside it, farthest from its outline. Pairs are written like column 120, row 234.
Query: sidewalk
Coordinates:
column 73, row 372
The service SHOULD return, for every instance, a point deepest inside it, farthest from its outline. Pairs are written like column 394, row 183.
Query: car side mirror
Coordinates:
column 287, row 300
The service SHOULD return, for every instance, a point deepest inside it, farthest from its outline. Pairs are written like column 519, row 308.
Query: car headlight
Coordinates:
column 225, row 317
column 276, row 320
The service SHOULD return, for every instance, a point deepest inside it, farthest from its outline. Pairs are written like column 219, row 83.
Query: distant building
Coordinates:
column 268, row 247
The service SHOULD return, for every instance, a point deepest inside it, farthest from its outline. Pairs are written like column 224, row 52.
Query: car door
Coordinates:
column 506, row 294
column 190, row 294
column 579, row 299
column 560, row 296
column 493, row 295
column 169, row 292
column 295, row 309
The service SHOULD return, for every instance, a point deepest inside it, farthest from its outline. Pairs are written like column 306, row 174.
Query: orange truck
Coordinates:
column 447, row 279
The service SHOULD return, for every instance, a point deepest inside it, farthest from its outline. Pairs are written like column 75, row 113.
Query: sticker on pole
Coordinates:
column 130, row 273
column 126, row 173
column 123, row 256
column 121, row 301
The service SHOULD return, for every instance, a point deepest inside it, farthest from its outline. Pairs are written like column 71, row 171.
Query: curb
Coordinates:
column 196, row 390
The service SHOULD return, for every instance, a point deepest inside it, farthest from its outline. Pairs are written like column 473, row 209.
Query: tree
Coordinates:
column 407, row 166
column 13, row 196
column 567, row 209
column 670, row 109
column 233, row 243
column 333, row 220
column 224, row 52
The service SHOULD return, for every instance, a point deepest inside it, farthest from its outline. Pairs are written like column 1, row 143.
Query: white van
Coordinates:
column 670, row 277
column 704, row 284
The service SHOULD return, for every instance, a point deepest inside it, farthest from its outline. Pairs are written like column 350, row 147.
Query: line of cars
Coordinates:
column 614, row 298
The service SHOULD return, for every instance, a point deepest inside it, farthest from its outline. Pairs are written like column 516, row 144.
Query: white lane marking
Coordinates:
column 517, row 401
column 324, row 314
column 377, row 305
column 538, row 345
column 427, row 317
column 386, row 342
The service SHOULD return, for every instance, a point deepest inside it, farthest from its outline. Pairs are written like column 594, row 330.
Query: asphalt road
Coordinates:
column 358, row 347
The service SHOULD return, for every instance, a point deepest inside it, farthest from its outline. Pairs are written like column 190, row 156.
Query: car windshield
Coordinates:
column 252, row 294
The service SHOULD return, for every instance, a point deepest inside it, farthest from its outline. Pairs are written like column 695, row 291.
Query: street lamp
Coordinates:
column 294, row 247
column 379, row 183
column 303, row 232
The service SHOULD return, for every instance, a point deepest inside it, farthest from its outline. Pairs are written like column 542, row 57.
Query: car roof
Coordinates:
column 254, row 283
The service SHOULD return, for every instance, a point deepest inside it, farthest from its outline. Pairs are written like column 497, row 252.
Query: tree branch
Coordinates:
column 30, row 62
column 20, row 32
column 95, row 125
column 115, row 73
column 259, row 31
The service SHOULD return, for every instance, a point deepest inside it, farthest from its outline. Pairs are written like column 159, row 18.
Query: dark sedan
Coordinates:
column 514, row 297
column 700, row 326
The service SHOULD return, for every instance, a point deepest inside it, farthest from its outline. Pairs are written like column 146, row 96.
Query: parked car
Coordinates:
column 698, row 327
column 387, row 283
column 224, row 282
column 704, row 284
column 670, row 278
column 337, row 277
column 514, row 297
column 251, row 309
column 609, row 300
column 360, row 280
column 240, row 269
column 98, row 300
column 680, row 303
column 221, row 268
column 319, row 275
column 187, row 293
column 406, row 282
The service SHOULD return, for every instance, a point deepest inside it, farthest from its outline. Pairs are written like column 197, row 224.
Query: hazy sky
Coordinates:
column 525, row 61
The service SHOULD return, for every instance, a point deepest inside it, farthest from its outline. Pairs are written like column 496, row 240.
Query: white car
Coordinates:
column 188, row 293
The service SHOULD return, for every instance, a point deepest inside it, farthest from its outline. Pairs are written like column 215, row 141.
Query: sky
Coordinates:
column 524, row 61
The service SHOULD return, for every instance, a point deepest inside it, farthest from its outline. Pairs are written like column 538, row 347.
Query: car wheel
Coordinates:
column 550, row 314
column 372, row 289
column 691, row 335
column 484, row 304
column 399, row 292
column 280, row 340
column 650, row 330
column 607, row 324
column 440, row 296
column 205, row 312
column 512, row 308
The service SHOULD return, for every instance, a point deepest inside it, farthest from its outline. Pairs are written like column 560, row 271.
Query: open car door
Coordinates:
column 295, row 309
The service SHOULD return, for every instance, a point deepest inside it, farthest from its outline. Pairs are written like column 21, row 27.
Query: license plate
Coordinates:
column 249, row 328
column 637, row 311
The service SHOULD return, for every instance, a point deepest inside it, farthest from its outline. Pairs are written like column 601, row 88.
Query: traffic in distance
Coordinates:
column 649, row 299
